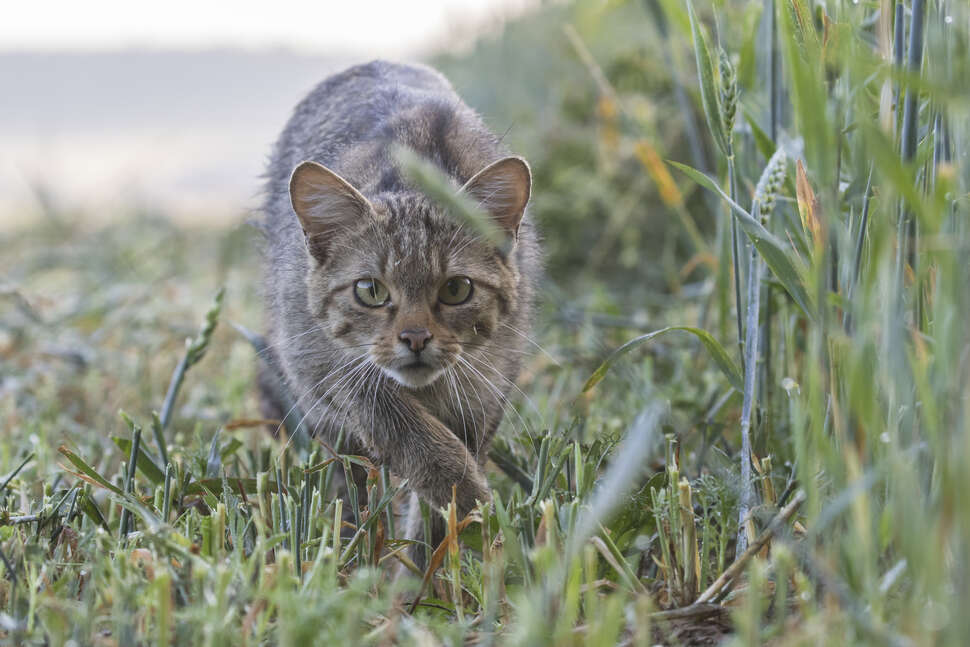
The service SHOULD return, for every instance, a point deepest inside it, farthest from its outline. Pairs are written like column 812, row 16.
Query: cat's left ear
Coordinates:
column 325, row 203
column 503, row 189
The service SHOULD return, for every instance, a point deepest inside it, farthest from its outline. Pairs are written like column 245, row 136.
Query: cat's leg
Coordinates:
column 417, row 446
column 414, row 530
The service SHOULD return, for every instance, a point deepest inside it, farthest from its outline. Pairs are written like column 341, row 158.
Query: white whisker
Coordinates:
column 498, row 393
column 464, row 426
column 479, row 437
column 509, row 381
column 362, row 361
column 296, row 403
column 531, row 341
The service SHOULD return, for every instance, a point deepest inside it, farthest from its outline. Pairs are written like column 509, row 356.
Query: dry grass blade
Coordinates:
column 448, row 544
column 808, row 206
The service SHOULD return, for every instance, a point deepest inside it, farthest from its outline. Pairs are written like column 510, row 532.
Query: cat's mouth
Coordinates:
column 415, row 374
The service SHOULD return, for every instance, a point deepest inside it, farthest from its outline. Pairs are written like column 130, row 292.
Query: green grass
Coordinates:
column 623, row 508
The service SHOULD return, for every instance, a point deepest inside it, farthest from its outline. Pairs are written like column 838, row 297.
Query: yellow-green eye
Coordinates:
column 371, row 293
column 456, row 290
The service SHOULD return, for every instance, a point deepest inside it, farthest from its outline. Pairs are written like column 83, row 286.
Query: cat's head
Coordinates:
column 397, row 280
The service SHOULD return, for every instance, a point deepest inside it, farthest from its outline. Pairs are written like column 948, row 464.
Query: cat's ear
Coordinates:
column 502, row 189
column 324, row 202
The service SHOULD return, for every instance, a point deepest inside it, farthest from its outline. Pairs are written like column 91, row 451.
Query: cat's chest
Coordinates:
column 437, row 404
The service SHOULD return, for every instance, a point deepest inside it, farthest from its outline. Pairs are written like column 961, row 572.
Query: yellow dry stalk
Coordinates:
column 657, row 170
column 609, row 113
column 692, row 568
column 808, row 207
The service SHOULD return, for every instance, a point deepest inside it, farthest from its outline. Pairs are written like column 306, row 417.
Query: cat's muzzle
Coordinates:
column 416, row 370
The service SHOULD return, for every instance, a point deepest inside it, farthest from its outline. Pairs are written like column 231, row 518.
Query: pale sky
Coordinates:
column 381, row 28
column 154, row 103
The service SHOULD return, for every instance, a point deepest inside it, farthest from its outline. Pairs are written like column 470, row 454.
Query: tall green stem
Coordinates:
column 750, row 373
column 735, row 258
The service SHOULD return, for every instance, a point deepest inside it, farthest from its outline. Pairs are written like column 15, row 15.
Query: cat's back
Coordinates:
column 366, row 106
column 352, row 122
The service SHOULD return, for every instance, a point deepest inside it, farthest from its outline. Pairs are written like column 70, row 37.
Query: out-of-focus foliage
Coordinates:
column 595, row 138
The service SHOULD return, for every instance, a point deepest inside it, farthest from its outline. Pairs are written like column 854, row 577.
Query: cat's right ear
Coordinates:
column 324, row 202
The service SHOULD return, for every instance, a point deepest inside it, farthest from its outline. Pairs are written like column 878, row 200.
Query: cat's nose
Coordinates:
column 415, row 338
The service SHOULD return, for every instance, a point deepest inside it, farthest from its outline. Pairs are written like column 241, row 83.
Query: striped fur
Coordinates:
column 359, row 218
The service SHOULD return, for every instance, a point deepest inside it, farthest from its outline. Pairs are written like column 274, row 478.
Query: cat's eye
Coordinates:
column 456, row 290
column 371, row 293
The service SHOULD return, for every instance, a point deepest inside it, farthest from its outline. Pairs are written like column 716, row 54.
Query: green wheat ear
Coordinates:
column 766, row 191
column 728, row 94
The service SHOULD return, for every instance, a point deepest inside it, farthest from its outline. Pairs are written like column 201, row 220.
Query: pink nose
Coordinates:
column 415, row 338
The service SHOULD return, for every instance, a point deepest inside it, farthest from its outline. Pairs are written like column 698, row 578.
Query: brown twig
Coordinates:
column 695, row 611
column 22, row 519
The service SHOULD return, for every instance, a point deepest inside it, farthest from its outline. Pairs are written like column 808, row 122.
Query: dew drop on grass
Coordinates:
column 884, row 437
column 790, row 386
column 935, row 616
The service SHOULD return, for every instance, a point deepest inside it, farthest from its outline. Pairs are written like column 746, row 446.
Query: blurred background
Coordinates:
column 111, row 112
column 109, row 103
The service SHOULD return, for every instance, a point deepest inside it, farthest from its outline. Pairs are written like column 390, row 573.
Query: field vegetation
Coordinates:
column 746, row 419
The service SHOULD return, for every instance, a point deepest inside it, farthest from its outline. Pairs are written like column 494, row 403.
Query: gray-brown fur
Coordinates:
column 435, row 435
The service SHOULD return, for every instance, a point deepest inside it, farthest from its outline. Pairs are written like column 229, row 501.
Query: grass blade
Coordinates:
column 87, row 473
column 194, row 351
column 130, row 480
column 772, row 250
column 145, row 463
column 720, row 356
column 705, row 73
column 13, row 474
column 438, row 186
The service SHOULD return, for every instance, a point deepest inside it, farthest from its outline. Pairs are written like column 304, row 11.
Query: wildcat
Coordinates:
column 395, row 327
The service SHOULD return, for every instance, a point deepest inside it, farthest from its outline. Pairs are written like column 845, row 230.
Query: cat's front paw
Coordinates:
column 470, row 492
column 467, row 487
